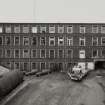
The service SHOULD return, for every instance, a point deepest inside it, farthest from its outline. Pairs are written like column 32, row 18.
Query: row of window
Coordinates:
column 51, row 29
column 34, row 41
column 60, row 53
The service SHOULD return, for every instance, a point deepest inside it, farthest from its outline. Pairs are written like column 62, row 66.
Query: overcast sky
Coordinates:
column 52, row 11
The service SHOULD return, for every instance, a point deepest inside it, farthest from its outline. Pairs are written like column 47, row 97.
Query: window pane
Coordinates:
column 1, row 53
column 42, row 29
column 1, row 30
column 103, row 40
column 8, row 29
column 26, row 41
column 95, row 53
column 82, row 41
column 1, row 41
column 25, row 29
column 60, row 53
column 82, row 54
column 34, row 41
column 34, row 53
column 17, row 29
column 42, row 53
column 69, row 29
column 42, row 41
column 8, row 53
column 51, row 29
column 69, row 41
column 51, row 41
column 17, row 54
column 95, row 41
column 52, row 55
column 69, row 53
column 60, row 41
column 8, row 40
column 82, row 29
column 60, row 29
column 94, row 29
column 26, row 53
column 34, row 65
column 43, row 66
column 16, row 66
column 34, row 29
column 17, row 40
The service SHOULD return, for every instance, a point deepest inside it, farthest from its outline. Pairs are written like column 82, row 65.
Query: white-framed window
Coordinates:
column 82, row 41
column 17, row 29
column 8, row 29
column 42, row 53
column 34, row 29
column 60, row 41
column 8, row 40
column 51, row 29
column 69, row 41
column 34, row 53
column 42, row 41
column 69, row 53
column 60, row 53
column 42, row 65
column 17, row 65
column 1, row 29
column 94, row 53
column 94, row 41
column 34, row 41
column 103, row 53
column 8, row 53
column 33, row 65
column 25, row 29
column 26, row 41
column 43, row 29
column 60, row 29
column 82, row 29
column 95, row 29
column 26, row 54
column 69, row 29
column 52, row 41
column 16, row 53
column 51, row 53
column 1, row 40
column 103, row 41
column 102, row 29
column 16, row 40
column 82, row 54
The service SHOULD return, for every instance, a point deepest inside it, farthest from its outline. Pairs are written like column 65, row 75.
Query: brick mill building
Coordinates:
column 31, row 46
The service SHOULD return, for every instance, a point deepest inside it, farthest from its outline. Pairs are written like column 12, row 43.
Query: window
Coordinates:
column 51, row 29
column 34, row 53
column 16, row 65
column 103, row 41
column 51, row 41
column 60, row 29
column 42, row 41
column 26, row 66
column 16, row 53
column 69, row 53
column 82, row 29
column 34, row 41
column 82, row 41
column 8, row 29
column 42, row 29
column 94, row 53
column 94, row 41
column 103, row 53
column 103, row 29
column 1, row 53
column 1, row 41
column 69, row 41
column 25, row 41
column 60, row 53
column 7, row 40
column 16, row 40
column 26, row 54
column 52, row 54
column 34, row 29
column 94, row 29
column 1, row 29
column 82, row 54
column 52, row 66
column 8, row 53
column 42, row 53
column 69, row 29
column 8, row 64
column 34, row 65
column 60, row 41
column 42, row 65
column 17, row 29
column 25, row 29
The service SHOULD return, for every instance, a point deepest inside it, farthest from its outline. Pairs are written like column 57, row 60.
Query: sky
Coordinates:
column 52, row 11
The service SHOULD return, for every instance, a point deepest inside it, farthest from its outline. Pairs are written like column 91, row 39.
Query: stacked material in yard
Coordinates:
column 9, row 81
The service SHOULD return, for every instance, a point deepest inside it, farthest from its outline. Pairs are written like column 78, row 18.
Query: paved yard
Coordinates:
column 58, row 89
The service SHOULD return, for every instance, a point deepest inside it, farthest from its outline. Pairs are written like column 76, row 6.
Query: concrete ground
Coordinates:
column 58, row 89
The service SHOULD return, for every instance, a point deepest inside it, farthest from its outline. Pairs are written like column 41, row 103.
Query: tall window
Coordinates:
column 17, row 29
column 103, row 52
column 34, row 41
column 52, row 29
column 69, row 29
column 94, row 41
column 16, row 53
column 51, row 41
column 16, row 40
column 34, row 29
column 94, row 53
column 94, row 29
column 34, row 65
column 1, row 41
column 26, row 54
column 8, row 53
column 82, row 54
column 25, row 41
column 60, row 41
column 82, row 41
column 25, row 29
column 69, row 53
column 103, row 29
column 7, row 40
column 43, row 30
column 8, row 29
column 103, row 41
column 69, row 41
column 42, row 65
column 51, row 66
column 52, row 54
column 34, row 53
column 82, row 29
column 16, row 65
column 26, row 66
column 60, row 53
column 60, row 29
column 42, row 41
column 1, row 53
column 8, row 64
column 1, row 29
column 42, row 53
